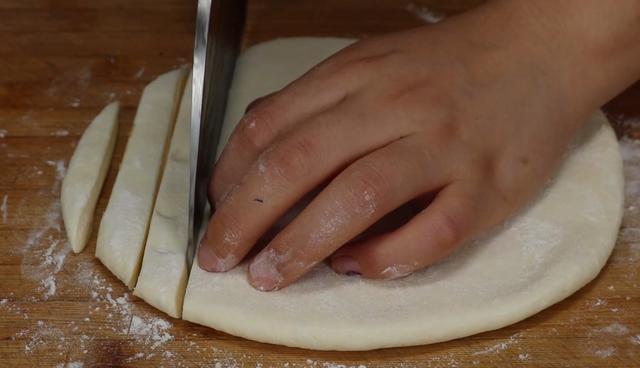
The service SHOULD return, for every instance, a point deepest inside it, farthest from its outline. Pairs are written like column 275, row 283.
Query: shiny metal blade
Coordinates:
column 219, row 26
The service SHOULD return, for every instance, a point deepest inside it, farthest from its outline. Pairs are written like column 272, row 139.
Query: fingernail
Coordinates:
column 345, row 265
column 209, row 261
column 263, row 271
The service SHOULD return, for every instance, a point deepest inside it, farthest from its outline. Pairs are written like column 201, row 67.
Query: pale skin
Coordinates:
column 471, row 116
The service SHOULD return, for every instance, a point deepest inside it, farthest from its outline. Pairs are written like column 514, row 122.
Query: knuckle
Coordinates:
column 290, row 159
column 448, row 129
column 507, row 193
column 449, row 227
column 367, row 187
column 359, row 65
column 410, row 91
column 504, row 186
column 257, row 128
column 346, row 58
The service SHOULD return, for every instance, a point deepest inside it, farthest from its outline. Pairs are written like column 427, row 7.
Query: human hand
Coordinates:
column 475, row 117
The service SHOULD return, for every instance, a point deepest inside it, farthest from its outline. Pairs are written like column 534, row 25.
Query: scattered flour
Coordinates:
column 71, row 365
column 49, row 287
column 139, row 73
column 152, row 332
column 4, row 208
column 337, row 365
column 3, row 133
column 499, row 347
column 225, row 363
column 425, row 14
column 46, row 248
column 111, row 96
column 597, row 303
column 630, row 152
column 77, row 79
column 630, row 232
column 606, row 352
column 60, row 133
column 614, row 329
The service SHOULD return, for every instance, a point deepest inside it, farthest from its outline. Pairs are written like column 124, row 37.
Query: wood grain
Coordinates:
column 62, row 61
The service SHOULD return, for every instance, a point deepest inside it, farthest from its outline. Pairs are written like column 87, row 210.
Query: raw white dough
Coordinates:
column 163, row 275
column 124, row 225
column 84, row 178
column 550, row 250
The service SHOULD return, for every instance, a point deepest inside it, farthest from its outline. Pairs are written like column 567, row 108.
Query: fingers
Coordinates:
column 275, row 114
column 280, row 177
column 357, row 198
column 454, row 215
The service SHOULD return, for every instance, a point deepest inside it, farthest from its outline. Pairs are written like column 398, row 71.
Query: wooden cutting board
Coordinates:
column 62, row 61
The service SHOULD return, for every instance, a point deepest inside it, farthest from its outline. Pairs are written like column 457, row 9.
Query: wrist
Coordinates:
column 589, row 50
column 595, row 43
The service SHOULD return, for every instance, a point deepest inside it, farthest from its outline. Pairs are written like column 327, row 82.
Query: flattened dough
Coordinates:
column 124, row 225
column 547, row 252
column 85, row 176
column 163, row 275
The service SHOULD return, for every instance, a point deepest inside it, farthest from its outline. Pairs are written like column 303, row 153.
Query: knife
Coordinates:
column 219, row 26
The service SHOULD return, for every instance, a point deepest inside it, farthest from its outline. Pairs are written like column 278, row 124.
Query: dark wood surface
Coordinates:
column 61, row 61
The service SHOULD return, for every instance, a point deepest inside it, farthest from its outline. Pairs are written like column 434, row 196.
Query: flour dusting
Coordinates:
column 139, row 73
column 152, row 332
column 4, row 208
column 39, row 336
column 597, row 303
column 46, row 247
column 71, row 365
column 76, row 79
column 630, row 151
column 60, row 133
column 49, row 287
column 3, row 133
column 630, row 232
column 616, row 329
column 499, row 347
column 606, row 352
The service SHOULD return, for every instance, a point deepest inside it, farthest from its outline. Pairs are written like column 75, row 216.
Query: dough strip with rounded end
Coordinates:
column 124, row 225
column 85, row 176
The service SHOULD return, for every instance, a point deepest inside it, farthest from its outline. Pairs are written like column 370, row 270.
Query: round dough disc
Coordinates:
column 547, row 252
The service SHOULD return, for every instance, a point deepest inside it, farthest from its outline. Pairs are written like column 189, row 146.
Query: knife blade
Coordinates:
column 219, row 26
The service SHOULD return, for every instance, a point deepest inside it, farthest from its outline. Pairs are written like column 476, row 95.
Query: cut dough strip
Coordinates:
column 85, row 176
column 163, row 275
column 124, row 225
